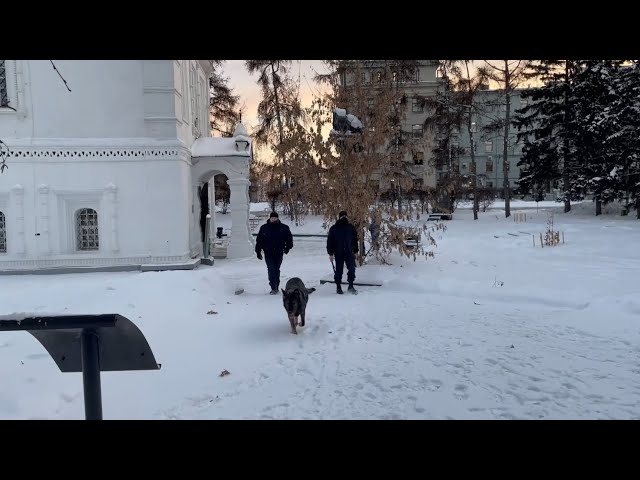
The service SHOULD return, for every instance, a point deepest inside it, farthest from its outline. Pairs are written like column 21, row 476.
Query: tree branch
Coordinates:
column 60, row 75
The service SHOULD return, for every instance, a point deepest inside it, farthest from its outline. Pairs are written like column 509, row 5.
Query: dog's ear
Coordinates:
column 283, row 292
column 311, row 290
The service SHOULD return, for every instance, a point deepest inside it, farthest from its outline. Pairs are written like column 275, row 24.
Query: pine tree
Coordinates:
column 461, row 103
column 225, row 113
column 547, row 128
column 444, row 121
column 279, row 115
column 623, row 119
column 594, row 92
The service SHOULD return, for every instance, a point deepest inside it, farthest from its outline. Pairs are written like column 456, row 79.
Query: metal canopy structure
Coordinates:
column 89, row 344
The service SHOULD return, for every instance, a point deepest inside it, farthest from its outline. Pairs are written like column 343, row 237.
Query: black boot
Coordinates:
column 339, row 289
column 351, row 289
column 274, row 290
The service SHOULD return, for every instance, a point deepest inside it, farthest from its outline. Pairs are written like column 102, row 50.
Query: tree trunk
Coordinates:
column 505, row 160
column 565, row 143
column 278, row 117
column 476, row 205
column 598, row 206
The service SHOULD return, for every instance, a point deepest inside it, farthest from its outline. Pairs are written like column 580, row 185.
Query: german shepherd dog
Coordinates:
column 295, row 297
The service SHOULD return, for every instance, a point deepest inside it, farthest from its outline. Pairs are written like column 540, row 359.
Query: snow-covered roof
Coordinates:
column 240, row 130
column 219, row 147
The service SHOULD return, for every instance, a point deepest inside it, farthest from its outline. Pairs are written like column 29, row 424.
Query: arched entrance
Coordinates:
column 231, row 157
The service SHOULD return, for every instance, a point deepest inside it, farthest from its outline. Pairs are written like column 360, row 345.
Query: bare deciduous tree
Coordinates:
column 364, row 151
column 509, row 74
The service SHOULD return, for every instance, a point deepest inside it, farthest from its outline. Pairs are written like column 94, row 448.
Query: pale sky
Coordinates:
column 246, row 87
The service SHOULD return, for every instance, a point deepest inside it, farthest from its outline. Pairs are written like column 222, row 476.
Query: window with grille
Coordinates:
column 488, row 146
column 4, row 93
column 418, row 158
column 489, row 165
column 417, row 130
column 3, row 233
column 416, row 105
column 87, row 229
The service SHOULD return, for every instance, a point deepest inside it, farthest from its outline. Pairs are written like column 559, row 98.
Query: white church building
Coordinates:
column 105, row 161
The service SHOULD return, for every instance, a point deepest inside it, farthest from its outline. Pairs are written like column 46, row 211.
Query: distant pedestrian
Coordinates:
column 342, row 245
column 275, row 239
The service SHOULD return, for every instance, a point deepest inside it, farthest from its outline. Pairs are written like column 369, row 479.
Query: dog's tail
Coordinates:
column 311, row 290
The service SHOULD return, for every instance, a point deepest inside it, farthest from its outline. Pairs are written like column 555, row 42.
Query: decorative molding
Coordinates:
column 17, row 194
column 83, row 153
column 84, row 261
column 68, row 201
column 98, row 154
column 111, row 192
column 167, row 89
column 43, row 230
column 162, row 119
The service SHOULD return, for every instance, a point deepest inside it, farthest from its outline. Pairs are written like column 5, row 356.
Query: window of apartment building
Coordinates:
column 87, row 229
column 370, row 102
column 488, row 146
column 410, row 76
column 418, row 158
column 488, row 166
column 418, row 183
column 417, row 130
column 4, row 92
column 394, row 77
column 416, row 105
column 379, row 77
column 364, row 78
column 3, row 233
column 464, row 166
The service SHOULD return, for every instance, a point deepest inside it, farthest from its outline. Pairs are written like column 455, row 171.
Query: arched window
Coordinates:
column 87, row 229
column 4, row 92
column 3, row 233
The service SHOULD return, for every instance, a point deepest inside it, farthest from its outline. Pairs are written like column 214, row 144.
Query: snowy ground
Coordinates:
column 490, row 328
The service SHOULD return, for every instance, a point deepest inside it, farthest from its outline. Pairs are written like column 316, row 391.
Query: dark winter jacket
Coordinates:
column 274, row 238
column 342, row 239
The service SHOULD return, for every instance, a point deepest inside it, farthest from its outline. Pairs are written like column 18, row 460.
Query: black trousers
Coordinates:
column 350, row 261
column 273, row 269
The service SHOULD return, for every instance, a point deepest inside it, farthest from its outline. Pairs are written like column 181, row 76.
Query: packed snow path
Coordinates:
column 490, row 328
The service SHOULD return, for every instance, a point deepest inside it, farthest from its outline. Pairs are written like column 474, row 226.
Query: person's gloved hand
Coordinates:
column 259, row 255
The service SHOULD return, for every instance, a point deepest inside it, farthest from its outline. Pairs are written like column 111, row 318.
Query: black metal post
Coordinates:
column 91, row 374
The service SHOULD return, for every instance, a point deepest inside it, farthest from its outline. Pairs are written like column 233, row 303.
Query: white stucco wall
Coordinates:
column 143, row 205
column 118, row 142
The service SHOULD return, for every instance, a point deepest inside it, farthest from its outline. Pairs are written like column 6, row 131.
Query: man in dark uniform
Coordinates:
column 342, row 244
column 275, row 239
